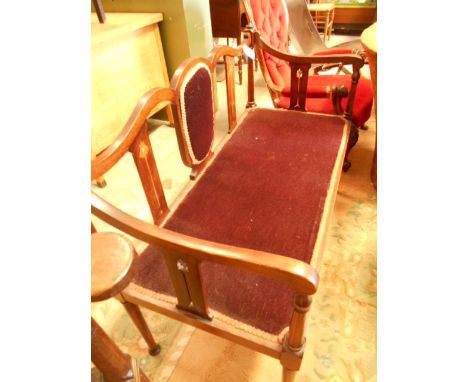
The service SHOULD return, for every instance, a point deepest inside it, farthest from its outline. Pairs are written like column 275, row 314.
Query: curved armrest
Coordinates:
column 132, row 128
column 345, row 59
column 299, row 275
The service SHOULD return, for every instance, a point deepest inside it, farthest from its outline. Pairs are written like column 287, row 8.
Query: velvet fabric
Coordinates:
column 265, row 191
column 271, row 20
column 198, row 108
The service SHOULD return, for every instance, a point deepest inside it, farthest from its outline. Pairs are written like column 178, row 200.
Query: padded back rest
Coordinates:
column 271, row 21
column 197, row 112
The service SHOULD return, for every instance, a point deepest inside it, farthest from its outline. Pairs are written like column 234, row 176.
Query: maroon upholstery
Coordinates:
column 198, row 111
column 270, row 18
column 265, row 191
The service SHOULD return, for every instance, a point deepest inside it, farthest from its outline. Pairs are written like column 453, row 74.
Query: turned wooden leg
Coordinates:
column 137, row 317
column 110, row 360
column 353, row 138
column 294, row 341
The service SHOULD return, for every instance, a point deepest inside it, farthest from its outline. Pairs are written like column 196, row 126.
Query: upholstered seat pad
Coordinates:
column 266, row 191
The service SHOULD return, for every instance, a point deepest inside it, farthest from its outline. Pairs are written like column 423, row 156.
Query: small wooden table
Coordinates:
column 369, row 42
column 112, row 268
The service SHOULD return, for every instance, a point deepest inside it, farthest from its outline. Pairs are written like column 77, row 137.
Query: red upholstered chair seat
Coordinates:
column 278, row 212
column 362, row 107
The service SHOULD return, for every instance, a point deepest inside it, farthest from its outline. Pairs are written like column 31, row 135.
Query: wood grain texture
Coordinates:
column 112, row 264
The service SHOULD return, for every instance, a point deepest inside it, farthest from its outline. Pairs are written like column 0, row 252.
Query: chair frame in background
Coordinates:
column 300, row 66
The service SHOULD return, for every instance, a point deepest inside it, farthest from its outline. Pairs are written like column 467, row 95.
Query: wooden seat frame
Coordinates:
column 184, row 254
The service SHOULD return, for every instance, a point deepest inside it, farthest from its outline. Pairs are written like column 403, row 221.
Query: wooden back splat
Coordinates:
column 184, row 269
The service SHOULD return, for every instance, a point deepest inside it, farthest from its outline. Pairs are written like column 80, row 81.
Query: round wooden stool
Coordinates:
column 112, row 268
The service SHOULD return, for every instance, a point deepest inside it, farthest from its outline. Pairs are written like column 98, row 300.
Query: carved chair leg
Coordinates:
column 294, row 341
column 353, row 138
column 137, row 317
column 288, row 375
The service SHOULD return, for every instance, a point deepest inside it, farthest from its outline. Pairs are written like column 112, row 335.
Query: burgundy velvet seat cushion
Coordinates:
column 265, row 190
column 363, row 99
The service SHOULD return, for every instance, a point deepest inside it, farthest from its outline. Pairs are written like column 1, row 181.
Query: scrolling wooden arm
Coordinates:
column 299, row 275
column 131, row 130
column 346, row 59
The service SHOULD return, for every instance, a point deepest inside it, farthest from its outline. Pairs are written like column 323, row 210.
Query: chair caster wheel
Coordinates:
column 155, row 351
column 346, row 166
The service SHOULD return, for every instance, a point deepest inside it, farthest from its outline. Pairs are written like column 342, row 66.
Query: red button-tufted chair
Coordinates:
column 287, row 75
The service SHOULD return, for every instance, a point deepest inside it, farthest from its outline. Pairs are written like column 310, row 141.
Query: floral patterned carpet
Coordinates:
column 341, row 338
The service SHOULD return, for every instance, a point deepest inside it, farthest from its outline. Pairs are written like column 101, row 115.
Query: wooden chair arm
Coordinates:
column 345, row 59
column 132, row 128
column 299, row 275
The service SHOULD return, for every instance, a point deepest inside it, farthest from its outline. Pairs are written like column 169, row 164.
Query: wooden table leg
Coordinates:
column 137, row 317
column 109, row 359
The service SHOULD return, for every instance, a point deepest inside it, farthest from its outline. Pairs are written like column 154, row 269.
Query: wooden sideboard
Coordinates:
column 127, row 61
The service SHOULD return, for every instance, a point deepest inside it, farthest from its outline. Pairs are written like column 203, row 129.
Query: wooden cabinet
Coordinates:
column 127, row 61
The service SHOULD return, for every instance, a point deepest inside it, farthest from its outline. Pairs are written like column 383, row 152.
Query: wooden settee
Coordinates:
column 236, row 253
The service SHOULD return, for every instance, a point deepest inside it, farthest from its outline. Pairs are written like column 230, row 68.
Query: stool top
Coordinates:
column 112, row 264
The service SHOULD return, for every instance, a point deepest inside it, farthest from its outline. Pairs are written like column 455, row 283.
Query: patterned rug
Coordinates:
column 341, row 344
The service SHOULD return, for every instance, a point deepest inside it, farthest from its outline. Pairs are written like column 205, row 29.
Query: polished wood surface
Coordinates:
column 127, row 60
column 183, row 254
column 112, row 264
column 112, row 268
column 369, row 42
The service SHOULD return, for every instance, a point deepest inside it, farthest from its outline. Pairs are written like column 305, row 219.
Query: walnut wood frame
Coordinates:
column 183, row 254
